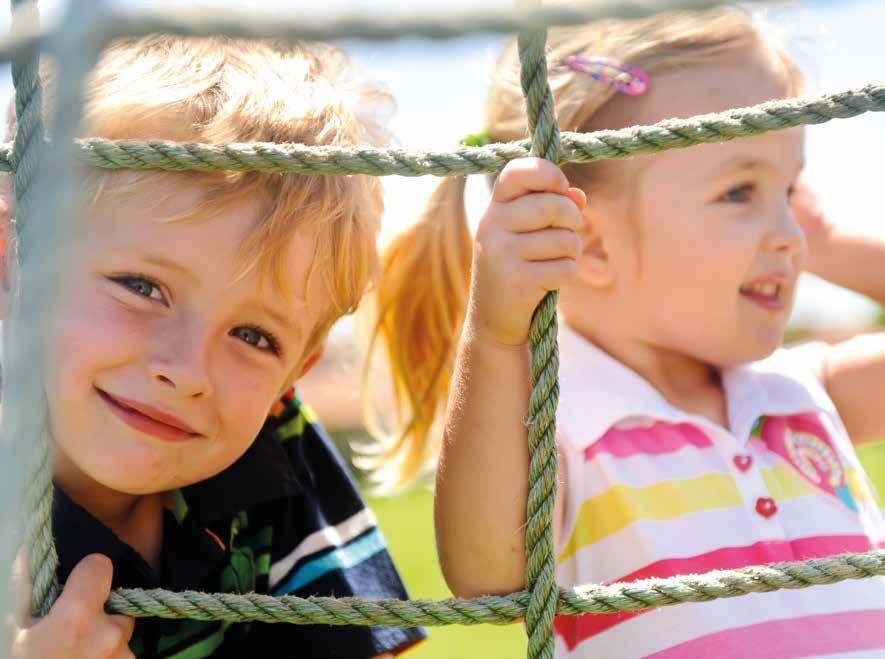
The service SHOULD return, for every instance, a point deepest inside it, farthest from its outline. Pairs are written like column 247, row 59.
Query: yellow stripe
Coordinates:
column 859, row 487
column 784, row 482
column 622, row 505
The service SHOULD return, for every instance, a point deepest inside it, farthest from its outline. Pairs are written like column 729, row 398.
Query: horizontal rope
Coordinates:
column 294, row 25
column 505, row 609
column 576, row 147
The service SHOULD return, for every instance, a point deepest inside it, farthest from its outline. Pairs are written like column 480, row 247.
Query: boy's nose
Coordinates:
column 182, row 367
column 188, row 382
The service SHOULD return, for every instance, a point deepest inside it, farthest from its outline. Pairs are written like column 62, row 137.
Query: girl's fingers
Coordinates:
column 527, row 175
column 541, row 210
column 578, row 196
column 547, row 245
column 551, row 275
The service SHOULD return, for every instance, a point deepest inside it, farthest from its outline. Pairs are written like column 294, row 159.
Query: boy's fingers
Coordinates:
column 542, row 210
column 125, row 623
column 527, row 175
column 20, row 589
column 88, row 585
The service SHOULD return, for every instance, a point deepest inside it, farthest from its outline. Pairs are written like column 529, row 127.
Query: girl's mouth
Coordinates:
column 145, row 419
column 765, row 294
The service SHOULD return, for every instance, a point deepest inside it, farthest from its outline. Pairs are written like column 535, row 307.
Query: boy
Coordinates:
column 188, row 305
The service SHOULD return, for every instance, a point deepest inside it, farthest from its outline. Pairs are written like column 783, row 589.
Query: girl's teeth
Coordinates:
column 766, row 289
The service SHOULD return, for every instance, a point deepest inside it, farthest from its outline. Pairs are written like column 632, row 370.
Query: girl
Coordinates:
column 688, row 441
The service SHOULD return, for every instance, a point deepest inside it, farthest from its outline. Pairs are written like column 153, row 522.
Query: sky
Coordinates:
column 440, row 87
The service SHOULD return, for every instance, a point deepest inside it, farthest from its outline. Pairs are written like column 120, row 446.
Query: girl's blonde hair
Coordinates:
column 221, row 90
column 421, row 302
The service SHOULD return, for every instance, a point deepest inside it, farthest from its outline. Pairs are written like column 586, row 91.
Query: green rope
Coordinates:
column 492, row 609
column 26, row 153
column 375, row 27
column 540, row 555
column 576, row 147
column 543, row 600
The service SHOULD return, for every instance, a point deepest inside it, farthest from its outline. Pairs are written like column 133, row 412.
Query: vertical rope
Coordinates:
column 540, row 563
column 27, row 148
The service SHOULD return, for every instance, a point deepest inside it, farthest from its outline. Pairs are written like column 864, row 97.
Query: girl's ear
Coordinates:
column 596, row 267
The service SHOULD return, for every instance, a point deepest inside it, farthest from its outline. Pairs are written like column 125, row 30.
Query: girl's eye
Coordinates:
column 739, row 195
column 141, row 286
column 254, row 336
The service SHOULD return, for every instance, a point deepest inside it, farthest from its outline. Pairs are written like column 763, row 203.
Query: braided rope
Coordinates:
column 184, row 21
column 544, row 601
column 492, row 609
column 576, row 147
column 26, row 154
column 540, row 556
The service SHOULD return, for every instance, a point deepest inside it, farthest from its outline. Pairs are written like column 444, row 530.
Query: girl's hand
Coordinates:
column 527, row 244
column 77, row 625
column 815, row 226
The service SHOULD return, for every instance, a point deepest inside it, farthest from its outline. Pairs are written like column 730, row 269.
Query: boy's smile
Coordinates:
column 165, row 355
column 149, row 419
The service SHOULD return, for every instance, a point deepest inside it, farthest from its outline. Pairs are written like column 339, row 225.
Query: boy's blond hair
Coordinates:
column 222, row 90
column 421, row 301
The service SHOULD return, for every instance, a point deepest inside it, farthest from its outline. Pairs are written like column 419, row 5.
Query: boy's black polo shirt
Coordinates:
column 286, row 518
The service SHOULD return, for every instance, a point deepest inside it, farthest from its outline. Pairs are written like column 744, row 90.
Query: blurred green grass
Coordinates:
column 407, row 522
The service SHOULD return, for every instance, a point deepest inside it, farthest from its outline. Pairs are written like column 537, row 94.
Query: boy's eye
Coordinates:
column 739, row 195
column 256, row 337
column 141, row 286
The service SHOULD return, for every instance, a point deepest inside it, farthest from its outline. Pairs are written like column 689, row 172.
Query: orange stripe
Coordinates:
column 217, row 539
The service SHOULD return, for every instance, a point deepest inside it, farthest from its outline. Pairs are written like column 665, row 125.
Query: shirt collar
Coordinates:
column 263, row 473
column 190, row 555
column 597, row 391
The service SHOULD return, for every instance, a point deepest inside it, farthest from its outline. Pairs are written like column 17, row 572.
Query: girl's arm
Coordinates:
column 526, row 245
column 853, row 371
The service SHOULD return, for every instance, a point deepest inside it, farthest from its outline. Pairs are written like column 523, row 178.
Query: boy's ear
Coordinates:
column 311, row 361
column 596, row 267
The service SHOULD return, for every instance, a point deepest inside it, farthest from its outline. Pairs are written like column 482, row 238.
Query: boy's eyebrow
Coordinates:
column 282, row 319
column 163, row 262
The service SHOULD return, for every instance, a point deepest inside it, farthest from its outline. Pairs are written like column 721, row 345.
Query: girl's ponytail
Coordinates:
column 419, row 309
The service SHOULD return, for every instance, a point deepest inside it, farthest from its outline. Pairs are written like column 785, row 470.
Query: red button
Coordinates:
column 766, row 507
column 743, row 462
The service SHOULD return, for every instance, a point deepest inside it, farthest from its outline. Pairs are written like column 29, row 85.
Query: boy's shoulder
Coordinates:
column 286, row 519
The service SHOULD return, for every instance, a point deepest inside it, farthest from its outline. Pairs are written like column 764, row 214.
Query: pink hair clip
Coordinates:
column 603, row 69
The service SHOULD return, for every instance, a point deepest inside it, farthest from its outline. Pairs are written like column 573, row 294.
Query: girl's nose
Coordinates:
column 786, row 235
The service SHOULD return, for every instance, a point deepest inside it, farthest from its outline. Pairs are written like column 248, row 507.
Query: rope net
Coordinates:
column 541, row 600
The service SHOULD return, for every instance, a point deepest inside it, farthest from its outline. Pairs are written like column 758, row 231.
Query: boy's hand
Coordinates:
column 815, row 226
column 77, row 625
column 527, row 244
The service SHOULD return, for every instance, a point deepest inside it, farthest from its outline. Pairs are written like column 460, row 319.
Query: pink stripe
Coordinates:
column 657, row 439
column 575, row 629
column 809, row 636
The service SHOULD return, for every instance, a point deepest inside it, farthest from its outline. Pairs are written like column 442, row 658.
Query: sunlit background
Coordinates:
column 440, row 87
